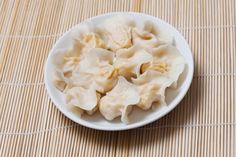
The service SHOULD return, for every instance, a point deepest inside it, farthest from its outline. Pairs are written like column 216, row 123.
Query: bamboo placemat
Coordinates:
column 203, row 124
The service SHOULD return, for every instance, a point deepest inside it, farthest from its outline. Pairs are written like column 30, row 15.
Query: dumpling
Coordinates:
column 150, row 27
column 59, row 80
column 146, row 36
column 79, row 31
column 86, row 35
column 79, row 79
column 85, row 99
column 168, row 61
column 149, row 93
column 119, row 101
column 117, row 32
column 150, row 36
column 97, row 61
column 78, row 111
column 128, row 61
column 152, row 76
column 161, row 33
column 145, row 39
column 64, row 62
column 91, row 112
column 104, row 84
column 151, row 86
column 165, row 36
column 98, row 64
column 66, row 59
column 92, row 40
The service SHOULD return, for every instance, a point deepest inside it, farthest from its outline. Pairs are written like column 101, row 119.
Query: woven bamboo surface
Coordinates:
column 203, row 124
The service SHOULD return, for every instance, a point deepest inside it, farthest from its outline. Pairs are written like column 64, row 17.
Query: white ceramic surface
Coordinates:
column 138, row 117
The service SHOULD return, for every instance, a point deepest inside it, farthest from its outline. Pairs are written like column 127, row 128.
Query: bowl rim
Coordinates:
column 169, row 108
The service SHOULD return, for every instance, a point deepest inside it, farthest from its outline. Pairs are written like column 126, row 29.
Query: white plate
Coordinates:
column 138, row 117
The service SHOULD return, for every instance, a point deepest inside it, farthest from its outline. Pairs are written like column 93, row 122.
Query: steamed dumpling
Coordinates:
column 149, row 93
column 98, row 64
column 85, row 99
column 161, row 33
column 117, row 32
column 64, row 62
column 85, row 34
column 79, row 31
column 152, row 76
column 59, row 80
column 151, row 86
column 148, row 36
column 78, row 111
column 79, row 79
column 96, row 61
column 128, row 61
column 168, row 61
column 119, row 101
column 150, row 27
column 145, row 39
column 92, row 40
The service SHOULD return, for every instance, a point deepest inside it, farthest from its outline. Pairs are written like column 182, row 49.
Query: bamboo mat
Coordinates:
column 204, row 123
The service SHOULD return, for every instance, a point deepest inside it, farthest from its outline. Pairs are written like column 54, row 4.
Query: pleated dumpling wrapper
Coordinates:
column 144, row 38
column 167, row 61
column 97, row 63
column 148, row 36
column 85, row 34
column 151, row 86
column 119, row 101
column 162, row 33
column 116, row 32
column 64, row 63
column 128, row 61
column 84, row 99
column 92, row 40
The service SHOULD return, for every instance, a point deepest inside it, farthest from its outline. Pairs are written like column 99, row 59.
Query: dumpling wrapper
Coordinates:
column 85, row 99
column 96, row 59
column 78, row 111
column 85, row 34
column 150, row 93
column 65, row 59
column 150, row 27
column 116, row 32
column 97, row 64
column 163, row 35
column 150, row 36
column 59, row 80
column 168, row 61
column 145, row 39
column 119, row 101
column 128, row 61
column 64, row 62
column 80, row 80
column 92, row 40
column 151, row 86
column 83, row 28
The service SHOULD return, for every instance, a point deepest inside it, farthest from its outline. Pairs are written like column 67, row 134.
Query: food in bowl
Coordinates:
column 116, row 65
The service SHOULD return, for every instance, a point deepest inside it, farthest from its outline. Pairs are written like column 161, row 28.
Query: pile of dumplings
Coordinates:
column 116, row 65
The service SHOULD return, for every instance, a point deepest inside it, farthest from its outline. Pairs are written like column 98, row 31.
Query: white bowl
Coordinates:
column 138, row 117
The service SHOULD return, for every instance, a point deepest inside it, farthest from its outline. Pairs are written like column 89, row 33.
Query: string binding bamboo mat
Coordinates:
column 204, row 123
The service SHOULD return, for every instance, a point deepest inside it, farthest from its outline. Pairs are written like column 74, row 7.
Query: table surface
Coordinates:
column 203, row 124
